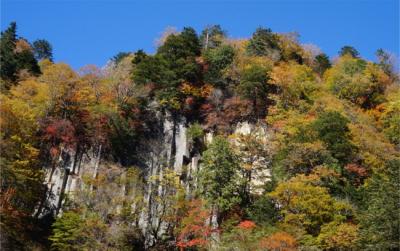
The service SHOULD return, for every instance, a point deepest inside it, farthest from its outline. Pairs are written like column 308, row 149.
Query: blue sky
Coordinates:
column 92, row 31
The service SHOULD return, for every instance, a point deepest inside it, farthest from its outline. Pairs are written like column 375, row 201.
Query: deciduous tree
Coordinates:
column 219, row 177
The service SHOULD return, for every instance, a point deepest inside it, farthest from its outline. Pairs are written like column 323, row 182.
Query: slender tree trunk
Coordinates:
column 173, row 143
column 42, row 202
column 80, row 162
column 214, row 226
column 206, row 46
column 77, row 152
column 96, row 166
column 65, row 179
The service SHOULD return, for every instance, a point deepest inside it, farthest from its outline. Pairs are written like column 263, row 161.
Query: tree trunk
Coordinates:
column 96, row 166
column 65, row 179
column 80, row 162
column 42, row 202
column 206, row 46
column 173, row 143
column 77, row 152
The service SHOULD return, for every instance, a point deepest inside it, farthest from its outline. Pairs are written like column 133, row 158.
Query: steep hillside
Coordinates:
column 211, row 143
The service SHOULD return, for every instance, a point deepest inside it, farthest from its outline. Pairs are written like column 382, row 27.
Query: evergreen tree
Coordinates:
column 322, row 63
column 173, row 64
column 26, row 60
column 139, row 56
column 218, row 59
column 253, row 86
column 332, row 129
column 180, row 52
column 349, row 50
column 380, row 218
column 152, row 70
column 8, row 60
column 13, row 60
column 263, row 42
column 43, row 50
column 179, row 46
column 212, row 36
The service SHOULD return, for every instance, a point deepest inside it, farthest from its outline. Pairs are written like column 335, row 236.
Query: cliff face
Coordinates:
column 170, row 150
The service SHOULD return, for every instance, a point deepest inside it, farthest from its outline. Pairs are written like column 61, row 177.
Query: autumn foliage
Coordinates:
column 247, row 225
column 208, row 143
column 195, row 229
column 280, row 241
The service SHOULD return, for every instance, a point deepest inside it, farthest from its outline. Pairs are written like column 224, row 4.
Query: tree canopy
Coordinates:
column 209, row 143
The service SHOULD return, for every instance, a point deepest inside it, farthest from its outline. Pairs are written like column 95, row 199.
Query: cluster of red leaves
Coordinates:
column 234, row 110
column 206, row 108
column 54, row 151
column 280, row 241
column 60, row 131
column 237, row 109
column 196, row 242
column 194, row 231
column 357, row 172
column 356, row 169
column 82, row 122
column 247, row 225
column 189, row 101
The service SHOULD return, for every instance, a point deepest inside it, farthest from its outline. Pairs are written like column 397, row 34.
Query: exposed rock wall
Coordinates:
column 170, row 150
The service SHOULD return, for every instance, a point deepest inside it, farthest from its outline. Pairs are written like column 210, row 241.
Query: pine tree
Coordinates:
column 263, row 42
column 43, row 50
column 13, row 59
column 322, row 63
column 8, row 61
column 349, row 50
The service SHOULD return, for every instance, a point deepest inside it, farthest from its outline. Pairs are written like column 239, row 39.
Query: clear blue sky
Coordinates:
column 91, row 31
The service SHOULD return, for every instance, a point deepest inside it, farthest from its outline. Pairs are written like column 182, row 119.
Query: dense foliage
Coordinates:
column 318, row 171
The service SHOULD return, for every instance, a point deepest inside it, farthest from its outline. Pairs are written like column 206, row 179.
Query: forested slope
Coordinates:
column 211, row 143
